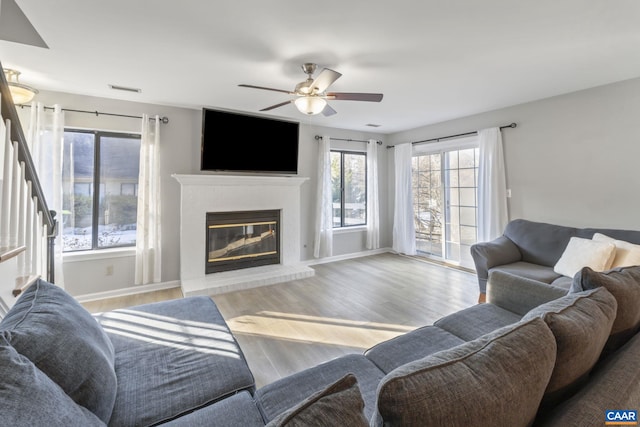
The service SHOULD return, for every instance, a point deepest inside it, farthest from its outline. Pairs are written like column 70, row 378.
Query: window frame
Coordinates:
column 96, row 187
column 343, row 225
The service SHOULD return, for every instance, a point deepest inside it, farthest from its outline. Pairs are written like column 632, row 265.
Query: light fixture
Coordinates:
column 20, row 93
column 310, row 104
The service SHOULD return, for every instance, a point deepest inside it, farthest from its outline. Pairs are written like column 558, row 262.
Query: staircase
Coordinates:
column 27, row 227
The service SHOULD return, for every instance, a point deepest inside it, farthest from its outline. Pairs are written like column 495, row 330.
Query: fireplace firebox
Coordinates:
column 242, row 239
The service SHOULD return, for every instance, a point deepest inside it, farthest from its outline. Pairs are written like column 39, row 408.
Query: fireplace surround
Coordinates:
column 203, row 193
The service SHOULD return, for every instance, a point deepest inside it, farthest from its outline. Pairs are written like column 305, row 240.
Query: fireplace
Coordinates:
column 242, row 239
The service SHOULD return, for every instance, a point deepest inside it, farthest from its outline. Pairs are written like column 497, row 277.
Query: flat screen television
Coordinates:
column 236, row 142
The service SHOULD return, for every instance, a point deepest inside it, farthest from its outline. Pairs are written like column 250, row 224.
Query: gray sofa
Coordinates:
column 531, row 249
column 532, row 355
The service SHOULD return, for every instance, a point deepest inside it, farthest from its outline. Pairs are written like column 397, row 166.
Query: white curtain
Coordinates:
column 45, row 137
column 373, row 205
column 148, row 235
column 323, row 244
column 492, row 186
column 404, row 234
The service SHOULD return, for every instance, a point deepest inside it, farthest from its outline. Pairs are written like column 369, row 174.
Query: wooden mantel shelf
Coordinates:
column 10, row 252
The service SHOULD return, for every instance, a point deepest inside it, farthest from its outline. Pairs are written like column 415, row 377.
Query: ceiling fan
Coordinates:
column 311, row 96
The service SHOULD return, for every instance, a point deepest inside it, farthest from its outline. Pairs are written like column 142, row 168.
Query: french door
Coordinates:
column 445, row 184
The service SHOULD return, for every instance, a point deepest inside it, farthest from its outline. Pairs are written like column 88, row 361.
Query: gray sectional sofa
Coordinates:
column 531, row 249
column 532, row 355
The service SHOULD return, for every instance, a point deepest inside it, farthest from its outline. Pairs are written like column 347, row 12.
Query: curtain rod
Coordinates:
column 164, row 119
column 318, row 137
column 511, row 125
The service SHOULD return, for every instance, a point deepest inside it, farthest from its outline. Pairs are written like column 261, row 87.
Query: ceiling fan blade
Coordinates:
column 277, row 105
column 355, row 96
column 325, row 79
column 328, row 111
column 268, row 88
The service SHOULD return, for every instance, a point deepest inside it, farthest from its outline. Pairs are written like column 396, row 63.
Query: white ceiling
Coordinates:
column 433, row 60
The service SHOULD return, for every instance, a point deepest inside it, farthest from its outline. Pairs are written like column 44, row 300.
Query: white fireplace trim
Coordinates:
column 225, row 193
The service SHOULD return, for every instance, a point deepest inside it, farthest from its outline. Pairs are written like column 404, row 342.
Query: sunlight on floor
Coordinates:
column 325, row 330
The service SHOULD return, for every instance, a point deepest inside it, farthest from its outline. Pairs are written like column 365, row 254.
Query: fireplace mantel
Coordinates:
column 226, row 193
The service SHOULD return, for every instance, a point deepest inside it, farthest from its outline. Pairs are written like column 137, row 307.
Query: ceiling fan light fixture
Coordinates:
column 310, row 105
column 20, row 93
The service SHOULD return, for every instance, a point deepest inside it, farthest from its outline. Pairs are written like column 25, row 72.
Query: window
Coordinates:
column 100, row 187
column 445, row 185
column 349, row 188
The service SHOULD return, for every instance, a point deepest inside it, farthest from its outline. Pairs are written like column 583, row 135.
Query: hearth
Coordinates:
column 242, row 239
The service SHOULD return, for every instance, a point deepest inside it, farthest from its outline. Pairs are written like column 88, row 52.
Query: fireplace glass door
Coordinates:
column 242, row 239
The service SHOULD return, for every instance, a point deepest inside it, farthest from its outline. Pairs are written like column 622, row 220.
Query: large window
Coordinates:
column 349, row 188
column 445, row 185
column 100, row 187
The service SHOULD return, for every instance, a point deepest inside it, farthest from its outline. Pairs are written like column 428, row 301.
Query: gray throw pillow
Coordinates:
column 624, row 284
column 581, row 323
column 340, row 404
column 51, row 329
column 497, row 379
column 29, row 398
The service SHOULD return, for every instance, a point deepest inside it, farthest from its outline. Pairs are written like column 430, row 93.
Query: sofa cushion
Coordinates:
column 411, row 346
column 539, row 243
column 581, row 323
column 501, row 376
column 160, row 348
column 624, row 284
column 541, row 273
column 50, row 328
column 476, row 321
column 340, row 404
column 615, row 384
column 29, row 398
column 627, row 254
column 233, row 411
column 283, row 394
column 585, row 253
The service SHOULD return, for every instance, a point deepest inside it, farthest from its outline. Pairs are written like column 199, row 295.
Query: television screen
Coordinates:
column 238, row 142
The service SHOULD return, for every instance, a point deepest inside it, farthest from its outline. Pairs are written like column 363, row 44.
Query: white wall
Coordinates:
column 180, row 153
column 572, row 160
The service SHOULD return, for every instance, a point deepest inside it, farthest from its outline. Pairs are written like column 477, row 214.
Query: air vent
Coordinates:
column 372, row 125
column 125, row 89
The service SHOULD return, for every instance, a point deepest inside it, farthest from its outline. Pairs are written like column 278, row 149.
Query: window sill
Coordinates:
column 98, row 254
column 343, row 230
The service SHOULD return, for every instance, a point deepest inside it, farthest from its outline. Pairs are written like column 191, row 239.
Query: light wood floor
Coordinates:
column 346, row 307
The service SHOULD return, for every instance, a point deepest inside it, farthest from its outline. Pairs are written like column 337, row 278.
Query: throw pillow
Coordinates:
column 29, row 398
column 496, row 379
column 585, row 253
column 624, row 284
column 581, row 323
column 627, row 254
column 51, row 329
column 340, row 404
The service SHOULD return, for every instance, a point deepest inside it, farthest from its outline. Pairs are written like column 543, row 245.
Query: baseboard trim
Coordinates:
column 133, row 290
column 360, row 254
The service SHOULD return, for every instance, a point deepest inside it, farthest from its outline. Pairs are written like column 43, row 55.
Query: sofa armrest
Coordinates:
column 487, row 255
column 519, row 294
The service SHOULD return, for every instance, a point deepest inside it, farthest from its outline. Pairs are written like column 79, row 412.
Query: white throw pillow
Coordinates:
column 627, row 254
column 581, row 253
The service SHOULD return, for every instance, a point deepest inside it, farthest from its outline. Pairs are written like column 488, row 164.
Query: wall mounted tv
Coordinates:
column 235, row 142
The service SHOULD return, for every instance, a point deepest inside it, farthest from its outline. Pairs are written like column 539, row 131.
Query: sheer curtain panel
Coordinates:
column 373, row 205
column 323, row 242
column 45, row 137
column 148, row 235
column 492, row 186
column 404, row 233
